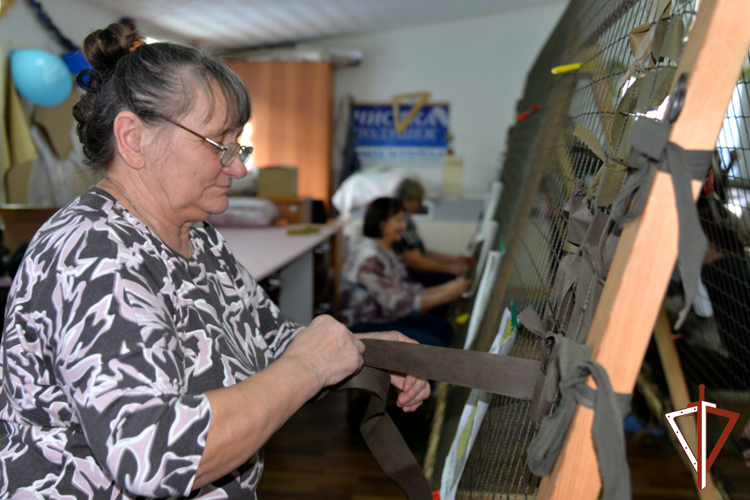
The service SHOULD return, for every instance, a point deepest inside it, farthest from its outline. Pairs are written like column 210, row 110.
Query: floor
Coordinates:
column 314, row 456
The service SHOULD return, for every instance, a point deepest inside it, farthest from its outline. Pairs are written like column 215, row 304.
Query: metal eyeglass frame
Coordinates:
column 231, row 151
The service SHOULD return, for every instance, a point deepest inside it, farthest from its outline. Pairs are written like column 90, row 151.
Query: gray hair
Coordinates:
column 158, row 82
column 409, row 189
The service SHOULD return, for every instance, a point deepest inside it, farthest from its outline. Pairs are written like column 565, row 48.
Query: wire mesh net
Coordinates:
column 548, row 162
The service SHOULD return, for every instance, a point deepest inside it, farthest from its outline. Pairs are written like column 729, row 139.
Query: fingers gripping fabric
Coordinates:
column 652, row 149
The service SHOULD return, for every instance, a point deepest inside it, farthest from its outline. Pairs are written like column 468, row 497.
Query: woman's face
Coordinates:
column 390, row 229
column 188, row 173
column 412, row 206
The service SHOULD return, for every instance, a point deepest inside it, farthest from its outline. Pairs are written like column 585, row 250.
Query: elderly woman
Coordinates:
column 139, row 358
column 427, row 267
column 376, row 291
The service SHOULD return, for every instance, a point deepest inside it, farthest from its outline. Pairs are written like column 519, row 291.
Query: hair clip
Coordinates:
column 136, row 44
column 92, row 84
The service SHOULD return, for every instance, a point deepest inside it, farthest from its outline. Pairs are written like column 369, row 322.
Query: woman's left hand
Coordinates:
column 414, row 390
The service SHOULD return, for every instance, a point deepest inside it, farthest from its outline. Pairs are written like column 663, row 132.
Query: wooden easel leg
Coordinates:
column 678, row 392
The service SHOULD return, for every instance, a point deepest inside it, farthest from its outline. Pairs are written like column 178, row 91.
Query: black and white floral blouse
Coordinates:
column 111, row 340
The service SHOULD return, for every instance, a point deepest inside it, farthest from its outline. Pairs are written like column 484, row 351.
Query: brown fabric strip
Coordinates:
column 504, row 375
column 579, row 217
column 383, row 438
column 548, row 377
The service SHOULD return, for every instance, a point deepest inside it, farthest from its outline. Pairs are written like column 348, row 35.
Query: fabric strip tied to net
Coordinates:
column 652, row 149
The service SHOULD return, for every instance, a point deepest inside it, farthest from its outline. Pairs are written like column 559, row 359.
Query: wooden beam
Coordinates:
column 638, row 279
column 678, row 393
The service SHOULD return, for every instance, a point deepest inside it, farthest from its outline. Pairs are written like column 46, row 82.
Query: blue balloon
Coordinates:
column 42, row 78
column 76, row 61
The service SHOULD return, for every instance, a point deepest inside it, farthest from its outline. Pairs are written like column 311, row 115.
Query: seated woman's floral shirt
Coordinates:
column 111, row 339
column 375, row 286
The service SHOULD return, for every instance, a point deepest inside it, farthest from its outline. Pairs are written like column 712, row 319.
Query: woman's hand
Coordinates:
column 457, row 287
column 414, row 390
column 457, row 267
column 328, row 349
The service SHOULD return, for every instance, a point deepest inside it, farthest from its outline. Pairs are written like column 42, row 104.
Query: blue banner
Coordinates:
column 423, row 141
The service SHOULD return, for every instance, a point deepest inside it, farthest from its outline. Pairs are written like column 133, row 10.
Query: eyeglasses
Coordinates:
column 230, row 152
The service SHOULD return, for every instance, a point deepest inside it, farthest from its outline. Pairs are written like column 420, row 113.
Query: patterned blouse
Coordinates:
column 111, row 340
column 375, row 286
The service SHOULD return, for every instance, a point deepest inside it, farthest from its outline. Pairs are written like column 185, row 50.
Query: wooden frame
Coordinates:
column 627, row 313
column 678, row 392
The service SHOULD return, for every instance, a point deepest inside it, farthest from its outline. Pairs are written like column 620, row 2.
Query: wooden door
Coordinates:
column 292, row 119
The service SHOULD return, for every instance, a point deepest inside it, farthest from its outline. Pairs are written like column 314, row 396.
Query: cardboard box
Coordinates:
column 22, row 222
column 277, row 182
column 294, row 210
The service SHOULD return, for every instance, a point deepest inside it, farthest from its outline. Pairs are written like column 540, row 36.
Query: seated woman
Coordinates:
column 139, row 358
column 427, row 267
column 376, row 292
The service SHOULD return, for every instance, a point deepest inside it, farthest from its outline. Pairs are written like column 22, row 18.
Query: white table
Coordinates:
column 264, row 251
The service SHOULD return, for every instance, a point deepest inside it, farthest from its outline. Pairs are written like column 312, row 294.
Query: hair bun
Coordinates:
column 136, row 44
column 103, row 48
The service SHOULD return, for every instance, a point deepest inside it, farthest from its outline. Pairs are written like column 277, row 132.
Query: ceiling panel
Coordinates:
column 251, row 23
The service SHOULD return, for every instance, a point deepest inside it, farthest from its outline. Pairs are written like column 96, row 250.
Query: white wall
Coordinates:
column 21, row 29
column 478, row 65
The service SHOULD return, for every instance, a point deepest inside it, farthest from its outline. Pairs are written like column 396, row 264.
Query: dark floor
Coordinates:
column 314, row 456
column 656, row 471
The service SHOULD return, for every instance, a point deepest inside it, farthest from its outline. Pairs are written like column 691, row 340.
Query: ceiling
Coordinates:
column 233, row 24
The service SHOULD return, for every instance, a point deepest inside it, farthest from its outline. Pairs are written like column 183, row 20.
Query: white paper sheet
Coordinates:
column 484, row 252
column 490, row 207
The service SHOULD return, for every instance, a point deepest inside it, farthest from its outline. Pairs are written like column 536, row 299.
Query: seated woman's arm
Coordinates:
column 445, row 258
column 437, row 296
column 401, row 298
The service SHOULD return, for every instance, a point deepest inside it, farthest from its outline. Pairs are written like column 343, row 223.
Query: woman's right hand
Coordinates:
column 458, row 286
column 328, row 349
column 457, row 268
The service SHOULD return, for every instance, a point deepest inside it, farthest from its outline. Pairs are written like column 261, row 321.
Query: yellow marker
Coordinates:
column 303, row 230
column 462, row 318
column 567, row 68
